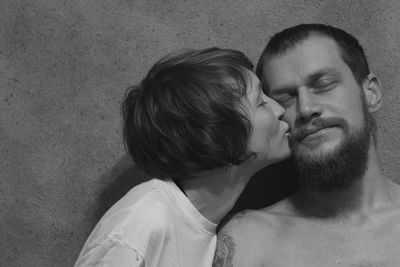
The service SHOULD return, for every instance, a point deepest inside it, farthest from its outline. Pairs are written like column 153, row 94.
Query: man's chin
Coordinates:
column 317, row 151
column 332, row 167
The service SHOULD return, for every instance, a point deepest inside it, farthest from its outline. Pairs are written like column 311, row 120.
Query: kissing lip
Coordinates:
column 286, row 126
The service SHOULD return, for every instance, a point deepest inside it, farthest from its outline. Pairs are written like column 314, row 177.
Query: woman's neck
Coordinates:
column 215, row 192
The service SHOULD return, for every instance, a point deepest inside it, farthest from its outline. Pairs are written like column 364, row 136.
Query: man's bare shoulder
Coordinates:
column 235, row 244
column 252, row 221
column 266, row 219
column 248, row 236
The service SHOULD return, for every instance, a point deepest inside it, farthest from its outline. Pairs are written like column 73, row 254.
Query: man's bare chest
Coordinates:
column 318, row 244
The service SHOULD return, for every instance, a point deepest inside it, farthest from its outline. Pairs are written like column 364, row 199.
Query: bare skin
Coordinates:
column 358, row 225
column 214, row 192
column 281, row 236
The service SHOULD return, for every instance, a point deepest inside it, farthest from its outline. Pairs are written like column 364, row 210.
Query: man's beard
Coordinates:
column 340, row 168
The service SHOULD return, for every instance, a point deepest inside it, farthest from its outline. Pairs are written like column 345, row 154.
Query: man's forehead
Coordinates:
column 316, row 48
column 313, row 55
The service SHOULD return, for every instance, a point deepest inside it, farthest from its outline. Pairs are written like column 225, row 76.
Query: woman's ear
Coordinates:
column 372, row 92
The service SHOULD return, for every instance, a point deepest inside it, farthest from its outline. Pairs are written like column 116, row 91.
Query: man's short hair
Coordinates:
column 350, row 49
column 186, row 115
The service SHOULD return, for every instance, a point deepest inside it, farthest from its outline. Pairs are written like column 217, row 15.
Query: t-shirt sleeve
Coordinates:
column 111, row 253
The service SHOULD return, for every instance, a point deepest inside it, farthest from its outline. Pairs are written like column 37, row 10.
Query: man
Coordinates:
column 346, row 212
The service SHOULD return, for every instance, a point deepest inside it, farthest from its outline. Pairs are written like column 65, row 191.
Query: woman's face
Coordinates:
column 269, row 135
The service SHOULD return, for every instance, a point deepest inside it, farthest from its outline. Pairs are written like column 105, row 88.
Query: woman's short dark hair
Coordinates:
column 186, row 115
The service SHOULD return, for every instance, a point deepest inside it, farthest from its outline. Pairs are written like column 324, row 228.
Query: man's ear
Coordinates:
column 372, row 92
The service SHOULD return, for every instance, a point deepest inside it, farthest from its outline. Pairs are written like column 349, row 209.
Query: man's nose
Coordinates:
column 307, row 105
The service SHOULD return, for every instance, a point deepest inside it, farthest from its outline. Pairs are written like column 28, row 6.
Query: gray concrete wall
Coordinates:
column 64, row 67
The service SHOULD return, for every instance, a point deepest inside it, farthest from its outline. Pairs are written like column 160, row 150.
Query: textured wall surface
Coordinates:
column 64, row 67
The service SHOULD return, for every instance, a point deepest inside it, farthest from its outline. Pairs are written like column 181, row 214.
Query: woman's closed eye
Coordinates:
column 262, row 103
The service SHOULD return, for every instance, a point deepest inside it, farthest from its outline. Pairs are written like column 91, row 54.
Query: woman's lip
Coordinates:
column 286, row 126
column 286, row 129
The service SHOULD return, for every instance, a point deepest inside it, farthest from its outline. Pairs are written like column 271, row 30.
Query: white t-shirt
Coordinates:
column 154, row 224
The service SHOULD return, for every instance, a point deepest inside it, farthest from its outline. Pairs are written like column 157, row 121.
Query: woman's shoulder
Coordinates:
column 143, row 214
column 147, row 203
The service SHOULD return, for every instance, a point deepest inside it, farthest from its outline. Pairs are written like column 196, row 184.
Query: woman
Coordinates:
column 200, row 123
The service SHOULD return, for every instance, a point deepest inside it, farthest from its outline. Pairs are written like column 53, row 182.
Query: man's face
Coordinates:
column 326, row 109
column 323, row 100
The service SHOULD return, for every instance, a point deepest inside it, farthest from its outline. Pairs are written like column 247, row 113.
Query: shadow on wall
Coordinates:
column 124, row 175
column 266, row 187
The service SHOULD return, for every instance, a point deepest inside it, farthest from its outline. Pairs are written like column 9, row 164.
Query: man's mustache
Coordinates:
column 315, row 125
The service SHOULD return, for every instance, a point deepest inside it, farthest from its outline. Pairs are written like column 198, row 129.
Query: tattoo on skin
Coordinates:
column 225, row 250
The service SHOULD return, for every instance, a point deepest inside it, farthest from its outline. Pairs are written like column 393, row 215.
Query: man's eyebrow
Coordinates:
column 280, row 90
column 312, row 78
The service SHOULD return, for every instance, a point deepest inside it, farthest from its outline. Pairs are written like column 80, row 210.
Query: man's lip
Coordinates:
column 311, row 130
